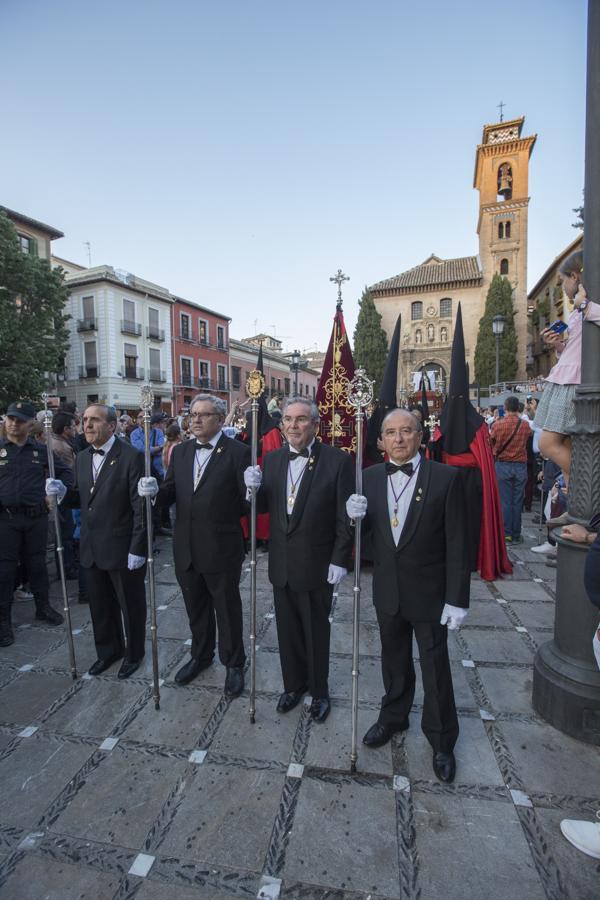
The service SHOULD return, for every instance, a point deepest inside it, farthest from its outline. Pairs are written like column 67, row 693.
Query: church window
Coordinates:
column 446, row 308
column 418, row 336
column 430, row 333
column 443, row 335
column 416, row 310
column 504, row 267
column 501, row 230
column 507, row 230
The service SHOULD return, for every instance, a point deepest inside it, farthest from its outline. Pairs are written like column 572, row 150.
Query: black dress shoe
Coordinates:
column 192, row 668
column 290, row 699
column 380, row 733
column 234, row 681
column 444, row 766
column 128, row 668
column 101, row 665
column 45, row 612
column 319, row 708
column 6, row 636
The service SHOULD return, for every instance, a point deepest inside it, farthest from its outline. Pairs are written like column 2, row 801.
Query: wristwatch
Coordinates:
column 583, row 305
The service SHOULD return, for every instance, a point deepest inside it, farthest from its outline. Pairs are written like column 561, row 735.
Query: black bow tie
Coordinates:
column 294, row 455
column 391, row 467
column 101, row 452
column 200, row 446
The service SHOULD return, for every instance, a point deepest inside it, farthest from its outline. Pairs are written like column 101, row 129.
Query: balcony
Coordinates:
column 130, row 327
column 89, row 324
column 134, row 373
column 155, row 334
column 89, row 371
column 157, row 375
column 186, row 379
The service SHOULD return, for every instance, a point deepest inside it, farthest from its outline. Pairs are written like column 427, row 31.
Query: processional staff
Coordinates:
column 255, row 385
column 59, row 543
column 360, row 395
column 146, row 403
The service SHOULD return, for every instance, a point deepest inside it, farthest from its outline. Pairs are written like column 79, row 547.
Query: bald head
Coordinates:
column 401, row 435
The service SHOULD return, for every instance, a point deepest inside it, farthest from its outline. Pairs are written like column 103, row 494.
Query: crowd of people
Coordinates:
column 440, row 505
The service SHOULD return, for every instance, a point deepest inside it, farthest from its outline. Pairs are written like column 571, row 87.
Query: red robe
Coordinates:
column 272, row 440
column 492, row 558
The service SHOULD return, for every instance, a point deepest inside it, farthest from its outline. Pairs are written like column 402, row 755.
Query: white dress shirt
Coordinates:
column 98, row 459
column 202, row 457
column 399, row 480
column 295, row 472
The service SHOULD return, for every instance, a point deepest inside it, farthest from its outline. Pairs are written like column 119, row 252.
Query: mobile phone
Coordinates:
column 558, row 327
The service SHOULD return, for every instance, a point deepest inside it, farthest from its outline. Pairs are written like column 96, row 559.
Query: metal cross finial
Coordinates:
column 501, row 106
column 339, row 279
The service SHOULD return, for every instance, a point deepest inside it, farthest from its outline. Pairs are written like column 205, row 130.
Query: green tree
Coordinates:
column 370, row 341
column 33, row 332
column 498, row 302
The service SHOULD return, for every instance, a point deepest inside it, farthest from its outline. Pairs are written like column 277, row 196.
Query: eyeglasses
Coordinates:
column 200, row 417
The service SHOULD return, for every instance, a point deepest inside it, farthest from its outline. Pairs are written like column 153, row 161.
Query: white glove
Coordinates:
column 55, row 488
column 135, row 562
column 356, row 506
column 148, row 487
column 335, row 574
column 453, row 616
column 253, row 477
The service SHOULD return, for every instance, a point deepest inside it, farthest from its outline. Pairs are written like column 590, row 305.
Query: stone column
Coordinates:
column 566, row 680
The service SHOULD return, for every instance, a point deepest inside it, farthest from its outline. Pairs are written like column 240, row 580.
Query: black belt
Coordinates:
column 31, row 511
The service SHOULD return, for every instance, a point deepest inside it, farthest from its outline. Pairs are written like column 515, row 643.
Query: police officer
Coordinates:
column 24, row 515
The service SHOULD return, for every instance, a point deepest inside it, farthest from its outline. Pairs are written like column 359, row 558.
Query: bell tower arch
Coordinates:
column 502, row 179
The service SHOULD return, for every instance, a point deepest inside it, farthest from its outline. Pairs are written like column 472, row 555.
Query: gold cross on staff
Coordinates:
column 339, row 279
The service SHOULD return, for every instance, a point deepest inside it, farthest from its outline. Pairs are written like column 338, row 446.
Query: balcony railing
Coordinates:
column 186, row 379
column 155, row 334
column 135, row 373
column 128, row 327
column 157, row 375
column 89, row 371
column 89, row 324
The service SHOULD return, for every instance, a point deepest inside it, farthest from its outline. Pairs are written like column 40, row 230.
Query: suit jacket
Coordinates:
column 430, row 565
column 302, row 546
column 112, row 514
column 208, row 533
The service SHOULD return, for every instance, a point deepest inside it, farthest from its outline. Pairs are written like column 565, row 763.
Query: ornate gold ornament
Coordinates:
column 255, row 384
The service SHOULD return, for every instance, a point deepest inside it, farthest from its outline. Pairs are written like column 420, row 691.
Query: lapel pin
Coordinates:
column 219, row 449
column 3, row 453
column 112, row 462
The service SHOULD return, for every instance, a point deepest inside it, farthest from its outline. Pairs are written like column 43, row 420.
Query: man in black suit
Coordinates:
column 415, row 529
column 205, row 480
column 113, row 539
column 304, row 487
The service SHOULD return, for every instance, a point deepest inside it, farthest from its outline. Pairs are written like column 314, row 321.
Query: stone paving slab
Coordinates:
column 218, row 807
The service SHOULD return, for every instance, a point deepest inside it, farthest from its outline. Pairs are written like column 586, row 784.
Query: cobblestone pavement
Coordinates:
column 104, row 797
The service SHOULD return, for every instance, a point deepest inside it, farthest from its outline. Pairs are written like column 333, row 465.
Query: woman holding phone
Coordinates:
column 556, row 412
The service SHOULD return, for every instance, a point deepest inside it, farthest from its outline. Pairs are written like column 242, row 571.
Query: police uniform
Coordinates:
column 24, row 521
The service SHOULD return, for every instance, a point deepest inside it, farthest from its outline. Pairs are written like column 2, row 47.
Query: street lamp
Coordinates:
column 294, row 366
column 498, row 323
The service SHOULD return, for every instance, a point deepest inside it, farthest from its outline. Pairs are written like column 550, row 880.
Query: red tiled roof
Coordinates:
column 433, row 273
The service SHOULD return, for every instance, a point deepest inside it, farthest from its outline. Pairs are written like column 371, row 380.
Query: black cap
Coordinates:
column 22, row 410
column 158, row 417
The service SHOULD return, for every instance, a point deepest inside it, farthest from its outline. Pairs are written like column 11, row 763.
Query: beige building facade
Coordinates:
column 427, row 296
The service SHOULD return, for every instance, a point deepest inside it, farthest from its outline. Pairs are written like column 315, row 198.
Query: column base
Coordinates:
column 566, row 693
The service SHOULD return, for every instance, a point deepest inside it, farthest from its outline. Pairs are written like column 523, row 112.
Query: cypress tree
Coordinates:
column 370, row 341
column 498, row 302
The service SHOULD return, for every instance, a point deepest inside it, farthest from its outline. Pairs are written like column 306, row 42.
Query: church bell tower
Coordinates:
column 502, row 179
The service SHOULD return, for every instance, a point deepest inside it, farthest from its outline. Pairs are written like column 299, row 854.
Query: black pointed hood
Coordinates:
column 459, row 421
column 387, row 396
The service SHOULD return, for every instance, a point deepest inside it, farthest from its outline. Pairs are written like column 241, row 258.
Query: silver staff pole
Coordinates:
column 146, row 402
column 360, row 395
column 255, row 385
column 59, row 544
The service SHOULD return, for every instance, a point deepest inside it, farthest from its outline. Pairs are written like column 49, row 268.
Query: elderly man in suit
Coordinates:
column 205, row 479
column 415, row 528
column 304, row 487
column 113, row 539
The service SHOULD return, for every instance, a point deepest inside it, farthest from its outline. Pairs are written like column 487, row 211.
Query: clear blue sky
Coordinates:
column 240, row 151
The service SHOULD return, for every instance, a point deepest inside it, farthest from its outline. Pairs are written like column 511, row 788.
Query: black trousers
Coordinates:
column 303, row 631
column 439, row 720
column 23, row 538
column 117, row 598
column 212, row 599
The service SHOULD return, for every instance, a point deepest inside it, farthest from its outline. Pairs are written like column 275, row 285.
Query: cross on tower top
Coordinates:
column 501, row 106
column 339, row 279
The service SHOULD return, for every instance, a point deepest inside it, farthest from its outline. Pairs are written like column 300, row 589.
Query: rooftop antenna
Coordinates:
column 89, row 252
